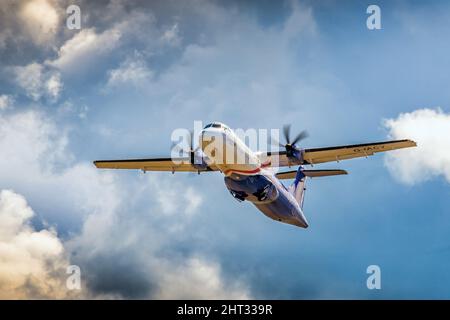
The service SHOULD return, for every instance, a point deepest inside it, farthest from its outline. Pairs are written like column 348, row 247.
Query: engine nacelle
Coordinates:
column 295, row 156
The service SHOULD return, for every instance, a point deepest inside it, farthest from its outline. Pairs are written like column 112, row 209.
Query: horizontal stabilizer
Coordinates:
column 310, row 173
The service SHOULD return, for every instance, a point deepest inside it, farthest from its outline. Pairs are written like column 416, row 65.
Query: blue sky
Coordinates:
column 138, row 70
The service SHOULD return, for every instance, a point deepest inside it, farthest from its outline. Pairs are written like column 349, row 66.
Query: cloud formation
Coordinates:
column 33, row 263
column 124, row 239
column 196, row 278
column 171, row 35
column 38, row 81
column 6, row 101
column 28, row 23
column 430, row 128
column 133, row 71
column 130, row 236
column 41, row 19
column 85, row 47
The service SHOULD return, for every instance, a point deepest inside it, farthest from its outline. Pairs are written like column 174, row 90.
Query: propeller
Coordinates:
column 290, row 145
column 286, row 130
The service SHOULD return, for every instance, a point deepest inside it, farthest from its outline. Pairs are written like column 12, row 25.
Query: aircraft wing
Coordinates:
column 338, row 153
column 155, row 164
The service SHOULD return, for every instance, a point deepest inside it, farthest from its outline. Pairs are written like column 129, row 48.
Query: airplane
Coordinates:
column 254, row 179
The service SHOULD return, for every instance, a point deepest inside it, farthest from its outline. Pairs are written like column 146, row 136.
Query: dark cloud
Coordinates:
column 118, row 274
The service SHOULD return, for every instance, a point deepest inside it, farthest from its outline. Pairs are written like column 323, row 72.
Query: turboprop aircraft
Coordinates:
column 250, row 176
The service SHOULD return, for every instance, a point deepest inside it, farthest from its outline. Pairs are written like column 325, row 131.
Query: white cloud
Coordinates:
column 40, row 19
column 193, row 200
column 197, row 278
column 301, row 21
column 6, row 101
column 187, row 199
column 85, row 46
column 54, row 86
column 38, row 81
column 226, row 66
column 171, row 36
column 28, row 140
column 133, row 71
column 30, row 78
column 35, row 160
column 430, row 128
column 90, row 46
column 32, row 263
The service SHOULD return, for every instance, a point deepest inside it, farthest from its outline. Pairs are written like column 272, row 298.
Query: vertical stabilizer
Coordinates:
column 298, row 187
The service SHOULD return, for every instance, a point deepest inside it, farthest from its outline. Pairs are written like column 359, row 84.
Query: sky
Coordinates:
column 137, row 70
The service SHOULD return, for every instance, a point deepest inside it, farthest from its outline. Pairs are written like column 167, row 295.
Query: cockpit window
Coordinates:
column 215, row 125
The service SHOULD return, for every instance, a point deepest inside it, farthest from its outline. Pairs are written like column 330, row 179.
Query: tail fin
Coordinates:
column 298, row 187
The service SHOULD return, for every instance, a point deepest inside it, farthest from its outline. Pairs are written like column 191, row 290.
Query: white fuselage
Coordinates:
column 229, row 153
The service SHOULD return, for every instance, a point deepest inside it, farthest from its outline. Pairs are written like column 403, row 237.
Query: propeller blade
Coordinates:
column 302, row 135
column 271, row 140
column 286, row 132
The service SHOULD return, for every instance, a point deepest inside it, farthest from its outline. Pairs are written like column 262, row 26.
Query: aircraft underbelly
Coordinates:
column 270, row 197
column 283, row 210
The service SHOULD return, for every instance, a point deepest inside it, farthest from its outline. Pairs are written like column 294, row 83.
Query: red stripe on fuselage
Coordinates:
column 248, row 171
column 243, row 171
column 265, row 164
